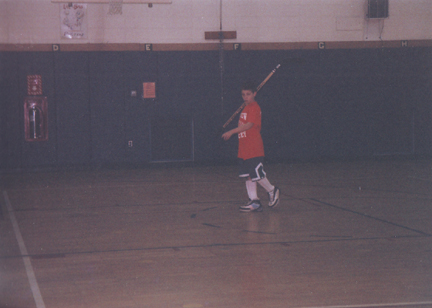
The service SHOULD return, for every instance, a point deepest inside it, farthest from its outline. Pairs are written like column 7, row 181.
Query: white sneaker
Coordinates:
column 252, row 206
column 274, row 197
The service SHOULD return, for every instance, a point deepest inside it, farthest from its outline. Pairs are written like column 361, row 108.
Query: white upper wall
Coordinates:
column 185, row 21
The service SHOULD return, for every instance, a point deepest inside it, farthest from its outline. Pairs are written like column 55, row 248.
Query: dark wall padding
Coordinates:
column 339, row 104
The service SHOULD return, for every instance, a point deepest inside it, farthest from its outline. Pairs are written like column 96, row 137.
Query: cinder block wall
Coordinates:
column 361, row 90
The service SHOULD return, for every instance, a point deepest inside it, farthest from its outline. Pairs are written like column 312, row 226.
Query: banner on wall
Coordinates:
column 73, row 20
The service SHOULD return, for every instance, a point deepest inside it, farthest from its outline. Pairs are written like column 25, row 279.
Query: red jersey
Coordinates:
column 250, row 141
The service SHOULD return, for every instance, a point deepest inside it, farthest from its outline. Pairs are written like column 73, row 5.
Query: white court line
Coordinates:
column 28, row 267
column 376, row 305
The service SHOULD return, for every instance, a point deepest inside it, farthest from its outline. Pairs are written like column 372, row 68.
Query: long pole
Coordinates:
column 221, row 57
column 258, row 88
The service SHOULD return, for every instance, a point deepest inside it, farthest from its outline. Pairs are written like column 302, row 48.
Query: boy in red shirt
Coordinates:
column 251, row 152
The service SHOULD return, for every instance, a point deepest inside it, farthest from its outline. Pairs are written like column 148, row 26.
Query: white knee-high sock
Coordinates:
column 266, row 185
column 251, row 188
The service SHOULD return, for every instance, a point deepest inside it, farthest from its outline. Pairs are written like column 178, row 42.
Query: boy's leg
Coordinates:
column 254, row 204
column 265, row 183
column 251, row 188
column 253, row 169
column 272, row 191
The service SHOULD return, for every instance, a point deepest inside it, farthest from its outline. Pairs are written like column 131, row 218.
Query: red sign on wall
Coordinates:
column 149, row 90
column 34, row 85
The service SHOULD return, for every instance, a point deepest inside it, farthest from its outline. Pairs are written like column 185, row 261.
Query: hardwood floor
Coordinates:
column 345, row 234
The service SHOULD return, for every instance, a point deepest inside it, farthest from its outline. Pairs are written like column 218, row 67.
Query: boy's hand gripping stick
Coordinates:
column 258, row 88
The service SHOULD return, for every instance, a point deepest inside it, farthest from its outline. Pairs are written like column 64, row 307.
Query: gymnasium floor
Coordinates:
column 345, row 234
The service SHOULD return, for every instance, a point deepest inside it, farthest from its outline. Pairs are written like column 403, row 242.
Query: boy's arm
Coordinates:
column 239, row 129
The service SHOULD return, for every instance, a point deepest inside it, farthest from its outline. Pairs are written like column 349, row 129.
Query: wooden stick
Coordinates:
column 258, row 88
